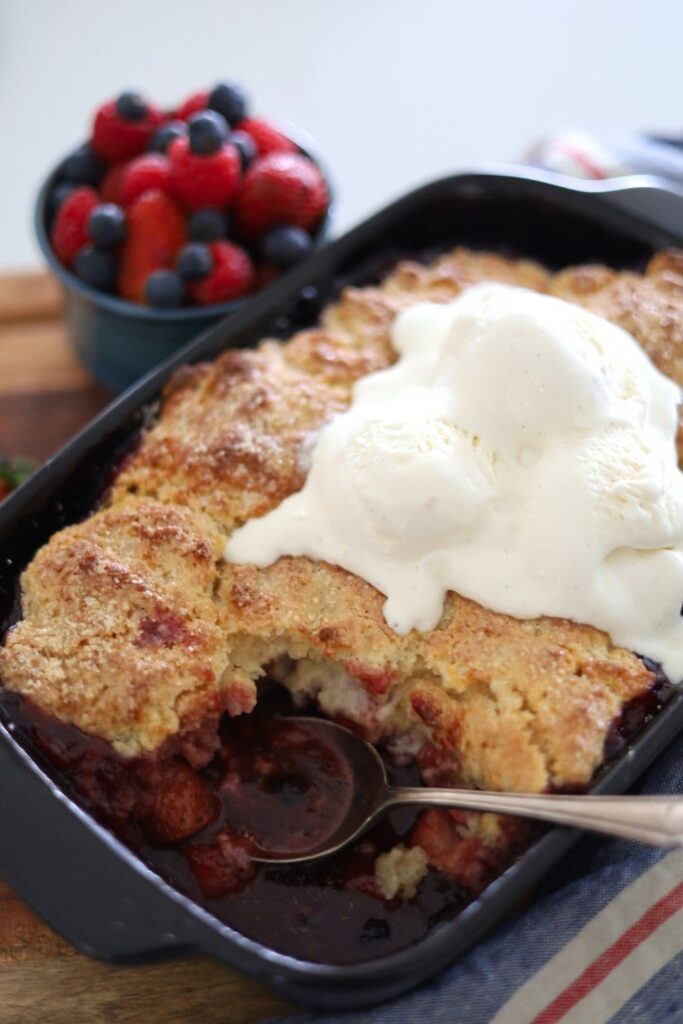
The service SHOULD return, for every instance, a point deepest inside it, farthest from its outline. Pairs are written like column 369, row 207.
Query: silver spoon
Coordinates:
column 657, row 820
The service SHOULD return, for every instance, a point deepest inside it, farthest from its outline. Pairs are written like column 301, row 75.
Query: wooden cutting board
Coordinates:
column 45, row 397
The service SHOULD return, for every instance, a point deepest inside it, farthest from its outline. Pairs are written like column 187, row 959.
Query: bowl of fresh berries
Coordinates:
column 163, row 222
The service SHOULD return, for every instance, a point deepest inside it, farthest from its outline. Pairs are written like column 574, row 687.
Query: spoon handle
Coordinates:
column 657, row 820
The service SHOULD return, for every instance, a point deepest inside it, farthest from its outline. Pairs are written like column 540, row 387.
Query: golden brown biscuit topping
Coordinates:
column 135, row 629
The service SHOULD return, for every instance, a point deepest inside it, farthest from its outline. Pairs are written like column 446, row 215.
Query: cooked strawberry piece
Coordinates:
column 222, row 867
column 426, row 707
column 439, row 767
column 239, row 697
column 376, row 680
column 466, row 844
column 182, row 803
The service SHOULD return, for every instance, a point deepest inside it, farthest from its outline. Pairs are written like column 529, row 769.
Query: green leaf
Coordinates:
column 15, row 471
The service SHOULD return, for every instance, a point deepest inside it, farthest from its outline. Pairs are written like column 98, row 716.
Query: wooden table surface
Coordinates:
column 45, row 396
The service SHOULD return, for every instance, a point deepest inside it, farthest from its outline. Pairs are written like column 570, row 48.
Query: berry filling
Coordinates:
column 199, row 810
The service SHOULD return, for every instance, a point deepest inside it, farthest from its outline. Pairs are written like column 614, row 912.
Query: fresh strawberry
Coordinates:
column 182, row 804
column 119, row 133
column 281, row 188
column 69, row 232
column 151, row 170
column 193, row 104
column 156, row 232
column 267, row 138
column 111, row 187
column 204, row 180
column 231, row 277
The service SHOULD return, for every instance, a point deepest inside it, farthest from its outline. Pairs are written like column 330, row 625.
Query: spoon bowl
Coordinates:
column 370, row 792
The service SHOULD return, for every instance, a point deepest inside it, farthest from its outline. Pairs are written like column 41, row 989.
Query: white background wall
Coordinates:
column 395, row 91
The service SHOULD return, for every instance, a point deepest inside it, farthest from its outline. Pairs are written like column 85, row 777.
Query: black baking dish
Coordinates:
column 85, row 883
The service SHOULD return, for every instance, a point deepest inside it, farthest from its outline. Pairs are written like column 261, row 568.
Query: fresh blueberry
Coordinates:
column 164, row 136
column 208, row 225
column 131, row 107
column 194, row 261
column 208, row 131
column 83, row 167
column 284, row 246
column 229, row 100
column 107, row 225
column 58, row 195
column 96, row 268
column 164, row 289
column 246, row 147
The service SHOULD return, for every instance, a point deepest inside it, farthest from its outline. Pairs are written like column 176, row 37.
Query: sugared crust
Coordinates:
column 120, row 632
column 524, row 704
column 228, row 442
column 134, row 628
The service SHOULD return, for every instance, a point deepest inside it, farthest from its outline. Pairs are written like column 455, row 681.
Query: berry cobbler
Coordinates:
column 149, row 669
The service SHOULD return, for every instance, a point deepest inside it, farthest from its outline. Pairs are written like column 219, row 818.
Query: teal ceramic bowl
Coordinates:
column 118, row 341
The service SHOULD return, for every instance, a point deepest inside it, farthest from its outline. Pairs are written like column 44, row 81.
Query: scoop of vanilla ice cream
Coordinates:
column 520, row 452
column 409, row 479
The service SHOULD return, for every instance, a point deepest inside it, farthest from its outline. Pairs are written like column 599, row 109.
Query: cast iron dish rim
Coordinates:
column 427, row 956
column 137, row 310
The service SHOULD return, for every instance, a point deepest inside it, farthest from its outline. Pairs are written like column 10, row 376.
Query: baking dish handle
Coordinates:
column 73, row 874
column 654, row 201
